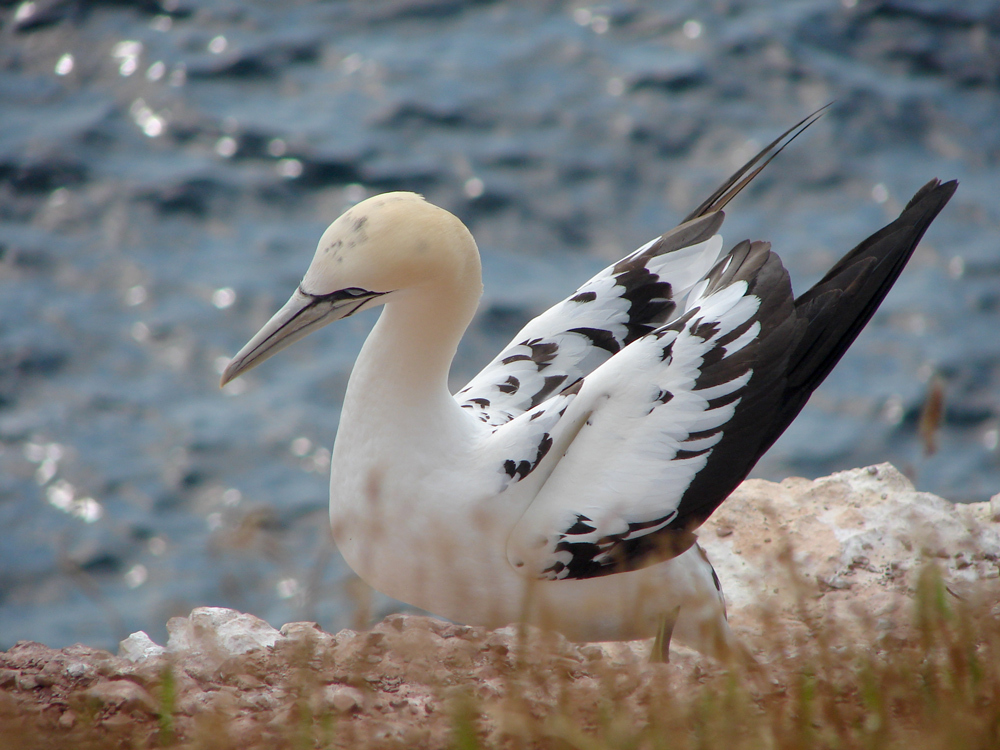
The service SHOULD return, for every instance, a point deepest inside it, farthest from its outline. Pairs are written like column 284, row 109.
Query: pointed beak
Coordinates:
column 300, row 316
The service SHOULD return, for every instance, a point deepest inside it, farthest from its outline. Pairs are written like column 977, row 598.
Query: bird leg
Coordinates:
column 661, row 643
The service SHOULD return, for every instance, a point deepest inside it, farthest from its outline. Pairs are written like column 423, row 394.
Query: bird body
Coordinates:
column 562, row 486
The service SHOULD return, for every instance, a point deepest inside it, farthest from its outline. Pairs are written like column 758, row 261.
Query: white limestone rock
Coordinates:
column 219, row 630
column 856, row 541
column 138, row 647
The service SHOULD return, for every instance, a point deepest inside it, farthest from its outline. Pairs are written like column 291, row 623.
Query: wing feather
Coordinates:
column 619, row 305
column 660, row 409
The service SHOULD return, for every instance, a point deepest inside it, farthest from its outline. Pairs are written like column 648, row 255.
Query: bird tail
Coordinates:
column 837, row 308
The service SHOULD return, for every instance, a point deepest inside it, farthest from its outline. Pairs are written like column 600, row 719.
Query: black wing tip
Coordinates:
column 841, row 304
column 854, row 296
column 939, row 193
column 899, row 238
column 933, row 186
column 928, row 202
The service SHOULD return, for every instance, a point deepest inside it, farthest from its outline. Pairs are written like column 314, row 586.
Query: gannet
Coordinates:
column 563, row 485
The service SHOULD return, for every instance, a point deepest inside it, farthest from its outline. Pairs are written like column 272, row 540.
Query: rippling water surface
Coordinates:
column 167, row 167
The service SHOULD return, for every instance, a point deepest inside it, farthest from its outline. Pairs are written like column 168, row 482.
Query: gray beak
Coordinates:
column 300, row 316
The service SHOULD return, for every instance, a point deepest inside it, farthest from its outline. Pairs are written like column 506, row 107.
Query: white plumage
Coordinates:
column 563, row 484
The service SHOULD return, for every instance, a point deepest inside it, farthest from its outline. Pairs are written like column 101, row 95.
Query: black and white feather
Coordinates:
column 618, row 306
column 518, row 447
column 656, row 414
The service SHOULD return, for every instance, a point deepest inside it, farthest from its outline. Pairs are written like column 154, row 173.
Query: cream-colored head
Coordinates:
column 388, row 243
column 384, row 247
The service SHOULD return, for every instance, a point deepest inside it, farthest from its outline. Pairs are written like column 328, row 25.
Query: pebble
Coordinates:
column 77, row 669
column 343, row 698
column 123, row 694
column 139, row 647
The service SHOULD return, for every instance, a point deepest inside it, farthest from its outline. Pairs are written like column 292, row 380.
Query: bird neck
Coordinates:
column 405, row 361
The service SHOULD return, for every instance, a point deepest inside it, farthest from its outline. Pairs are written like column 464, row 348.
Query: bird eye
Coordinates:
column 354, row 292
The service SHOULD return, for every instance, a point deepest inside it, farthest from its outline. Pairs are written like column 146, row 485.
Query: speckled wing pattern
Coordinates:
column 618, row 306
column 519, row 446
column 657, row 413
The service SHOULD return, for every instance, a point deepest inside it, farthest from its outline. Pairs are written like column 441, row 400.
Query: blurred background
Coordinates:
column 167, row 167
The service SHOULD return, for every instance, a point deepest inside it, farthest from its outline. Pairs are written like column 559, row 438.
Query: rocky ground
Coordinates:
column 840, row 560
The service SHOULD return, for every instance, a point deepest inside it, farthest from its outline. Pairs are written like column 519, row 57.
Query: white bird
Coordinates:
column 562, row 486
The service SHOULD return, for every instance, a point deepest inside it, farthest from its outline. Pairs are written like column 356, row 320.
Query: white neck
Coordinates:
column 402, row 370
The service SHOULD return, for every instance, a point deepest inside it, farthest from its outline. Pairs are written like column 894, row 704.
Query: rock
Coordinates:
column 301, row 630
column 123, row 694
column 97, row 661
column 139, row 647
column 853, row 542
column 342, row 697
column 50, row 673
column 78, row 669
column 213, row 629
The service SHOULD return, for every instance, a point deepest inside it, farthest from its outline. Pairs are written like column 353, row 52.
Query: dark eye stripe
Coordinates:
column 352, row 292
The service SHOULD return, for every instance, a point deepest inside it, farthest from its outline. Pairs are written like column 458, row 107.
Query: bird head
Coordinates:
column 386, row 246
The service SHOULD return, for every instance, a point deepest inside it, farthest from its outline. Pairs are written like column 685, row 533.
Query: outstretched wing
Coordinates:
column 659, row 411
column 611, row 311
column 635, row 406
column 679, row 418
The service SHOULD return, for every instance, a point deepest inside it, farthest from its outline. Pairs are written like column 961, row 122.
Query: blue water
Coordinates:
column 164, row 177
